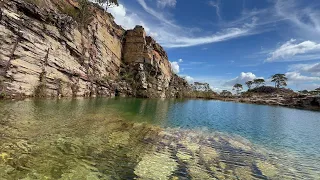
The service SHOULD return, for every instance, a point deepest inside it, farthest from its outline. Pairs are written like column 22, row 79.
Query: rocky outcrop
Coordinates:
column 149, row 65
column 44, row 52
column 300, row 102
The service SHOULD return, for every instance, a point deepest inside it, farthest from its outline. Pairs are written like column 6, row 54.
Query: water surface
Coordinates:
column 127, row 138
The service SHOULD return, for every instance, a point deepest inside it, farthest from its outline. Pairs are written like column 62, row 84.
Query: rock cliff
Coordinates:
column 45, row 51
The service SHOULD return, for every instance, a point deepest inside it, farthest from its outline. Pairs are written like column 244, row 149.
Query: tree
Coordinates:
column 304, row 91
column 249, row 84
column 238, row 88
column 279, row 80
column 226, row 93
column 258, row 82
column 85, row 15
column 107, row 3
column 205, row 87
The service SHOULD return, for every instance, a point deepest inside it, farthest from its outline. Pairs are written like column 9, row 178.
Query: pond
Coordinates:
column 129, row 138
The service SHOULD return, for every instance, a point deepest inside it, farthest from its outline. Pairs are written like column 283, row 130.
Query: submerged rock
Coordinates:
column 267, row 169
column 156, row 166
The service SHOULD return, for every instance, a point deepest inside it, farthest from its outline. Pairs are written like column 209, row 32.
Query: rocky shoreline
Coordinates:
column 297, row 102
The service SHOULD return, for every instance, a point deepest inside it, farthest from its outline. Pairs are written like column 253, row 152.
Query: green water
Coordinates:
column 156, row 139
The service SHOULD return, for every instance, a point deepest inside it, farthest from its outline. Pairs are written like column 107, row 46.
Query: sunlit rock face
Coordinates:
column 44, row 52
column 150, row 66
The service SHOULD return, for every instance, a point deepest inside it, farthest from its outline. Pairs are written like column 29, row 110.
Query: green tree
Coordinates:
column 279, row 80
column 249, row 84
column 258, row 82
column 238, row 88
column 84, row 15
column 304, row 92
column 107, row 3
column 226, row 93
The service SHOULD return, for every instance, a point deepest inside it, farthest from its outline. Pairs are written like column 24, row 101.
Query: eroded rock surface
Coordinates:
column 45, row 52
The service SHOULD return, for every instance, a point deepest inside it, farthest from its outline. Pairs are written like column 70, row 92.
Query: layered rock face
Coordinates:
column 148, row 62
column 44, row 52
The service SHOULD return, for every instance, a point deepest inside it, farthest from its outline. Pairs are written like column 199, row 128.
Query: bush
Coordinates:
column 269, row 90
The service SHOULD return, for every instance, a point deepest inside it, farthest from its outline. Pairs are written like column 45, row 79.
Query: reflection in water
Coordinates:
column 155, row 139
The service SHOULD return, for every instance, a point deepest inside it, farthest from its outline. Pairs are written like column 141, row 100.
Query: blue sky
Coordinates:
column 224, row 42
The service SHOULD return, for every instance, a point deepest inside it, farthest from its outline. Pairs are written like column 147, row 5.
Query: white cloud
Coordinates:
column 311, row 86
column 313, row 69
column 242, row 78
column 189, row 79
column 166, row 3
column 306, row 19
column 291, row 48
column 175, row 67
column 125, row 19
column 180, row 60
column 295, row 77
column 301, row 82
column 174, row 40
column 216, row 6
column 171, row 35
column 155, row 14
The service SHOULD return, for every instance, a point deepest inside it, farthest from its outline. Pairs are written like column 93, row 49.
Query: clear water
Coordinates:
column 126, row 138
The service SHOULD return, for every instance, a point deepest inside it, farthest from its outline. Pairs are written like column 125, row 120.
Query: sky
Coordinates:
column 224, row 42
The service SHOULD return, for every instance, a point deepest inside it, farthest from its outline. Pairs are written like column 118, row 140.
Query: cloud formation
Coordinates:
column 296, row 77
column 313, row 69
column 166, row 3
column 242, row 79
column 125, row 19
column 217, row 7
column 171, row 35
column 305, row 18
column 175, row 67
column 189, row 79
column 290, row 49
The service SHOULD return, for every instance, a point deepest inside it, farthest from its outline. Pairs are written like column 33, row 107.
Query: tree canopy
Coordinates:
column 280, row 80
column 259, row 82
column 107, row 3
column 249, row 84
column 226, row 93
column 238, row 88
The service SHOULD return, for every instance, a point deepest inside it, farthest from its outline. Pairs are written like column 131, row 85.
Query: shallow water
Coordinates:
column 126, row 138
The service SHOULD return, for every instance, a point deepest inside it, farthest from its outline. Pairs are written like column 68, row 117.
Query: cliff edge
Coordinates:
column 46, row 52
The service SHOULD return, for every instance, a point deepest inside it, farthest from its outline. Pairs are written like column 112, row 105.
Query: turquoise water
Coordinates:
column 276, row 127
column 127, row 138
